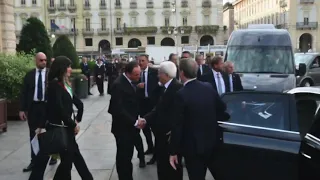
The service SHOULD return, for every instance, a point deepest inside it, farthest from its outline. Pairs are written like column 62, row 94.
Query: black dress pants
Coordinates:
column 147, row 106
column 139, row 145
column 36, row 116
column 125, row 145
column 99, row 82
column 89, row 83
column 164, row 169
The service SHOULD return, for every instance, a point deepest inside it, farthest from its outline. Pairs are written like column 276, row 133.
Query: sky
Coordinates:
column 224, row 1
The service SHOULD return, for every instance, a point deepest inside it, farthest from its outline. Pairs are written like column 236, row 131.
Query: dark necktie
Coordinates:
column 39, row 90
column 163, row 90
column 143, row 76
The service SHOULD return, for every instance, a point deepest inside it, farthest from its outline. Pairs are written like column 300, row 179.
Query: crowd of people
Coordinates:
column 179, row 103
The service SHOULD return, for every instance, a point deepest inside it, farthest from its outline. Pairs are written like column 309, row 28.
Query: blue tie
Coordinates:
column 39, row 90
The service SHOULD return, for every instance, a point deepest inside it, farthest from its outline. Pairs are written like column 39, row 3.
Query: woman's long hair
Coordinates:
column 59, row 68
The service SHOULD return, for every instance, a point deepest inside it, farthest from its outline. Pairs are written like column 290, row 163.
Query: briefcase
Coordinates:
column 54, row 140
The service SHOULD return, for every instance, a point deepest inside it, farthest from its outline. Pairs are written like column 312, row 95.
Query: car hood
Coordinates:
column 268, row 82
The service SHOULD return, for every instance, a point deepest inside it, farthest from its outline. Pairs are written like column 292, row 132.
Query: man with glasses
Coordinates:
column 33, row 101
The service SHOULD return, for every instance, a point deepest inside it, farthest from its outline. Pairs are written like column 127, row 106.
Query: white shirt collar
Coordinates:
column 185, row 83
column 146, row 70
column 215, row 72
column 42, row 70
column 127, row 78
column 166, row 85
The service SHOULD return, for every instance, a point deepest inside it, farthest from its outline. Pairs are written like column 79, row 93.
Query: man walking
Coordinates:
column 124, row 108
column 195, row 134
column 86, row 71
column 33, row 101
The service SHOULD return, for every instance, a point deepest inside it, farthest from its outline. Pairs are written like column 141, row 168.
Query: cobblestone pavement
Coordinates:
column 96, row 142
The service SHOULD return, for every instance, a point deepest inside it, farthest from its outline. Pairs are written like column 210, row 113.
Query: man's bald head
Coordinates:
column 41, row 60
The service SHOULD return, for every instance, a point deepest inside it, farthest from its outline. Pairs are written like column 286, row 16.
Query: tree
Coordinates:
column 34, row 38
column 64, row 47
column 227, row 5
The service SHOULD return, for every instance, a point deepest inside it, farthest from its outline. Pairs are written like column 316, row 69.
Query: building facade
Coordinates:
column 228, row 21
column 299, row 17
column 7, row 27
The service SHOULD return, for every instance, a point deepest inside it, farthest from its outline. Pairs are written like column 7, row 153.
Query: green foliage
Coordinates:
column 34, row 37
column 13, row 68
column 64, row 47
column 92, row 65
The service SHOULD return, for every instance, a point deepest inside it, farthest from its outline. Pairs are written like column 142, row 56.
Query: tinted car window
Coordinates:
column 257, row 109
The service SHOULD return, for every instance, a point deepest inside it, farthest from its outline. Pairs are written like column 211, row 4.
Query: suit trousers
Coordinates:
column 147, row 106
column 89, row 83
column 164, row 169
column 36, row 116
column 99, row 82
column 125, row 145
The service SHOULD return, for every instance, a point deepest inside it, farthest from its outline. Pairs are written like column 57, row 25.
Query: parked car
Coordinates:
column 312, row 76
column 271, row 135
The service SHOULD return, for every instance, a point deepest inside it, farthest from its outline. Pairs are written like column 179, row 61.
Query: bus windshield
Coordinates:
column 261, row 59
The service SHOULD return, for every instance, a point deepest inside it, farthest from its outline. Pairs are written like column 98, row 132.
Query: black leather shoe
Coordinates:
column 142, row 163
column 29, row 168
column 152, row 161
column 90, row 93
column 149, row 151
column 53, row 161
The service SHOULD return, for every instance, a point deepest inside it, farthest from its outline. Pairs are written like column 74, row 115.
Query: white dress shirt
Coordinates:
column 201, row 69
column 166, row 85
column 43, row 77
column 231, row 82
column 146, row 81
column 218, row 76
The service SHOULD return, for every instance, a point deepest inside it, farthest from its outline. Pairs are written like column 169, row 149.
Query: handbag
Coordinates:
column 54, row 140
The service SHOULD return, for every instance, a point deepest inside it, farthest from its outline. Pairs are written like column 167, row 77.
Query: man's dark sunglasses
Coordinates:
column 43, row 60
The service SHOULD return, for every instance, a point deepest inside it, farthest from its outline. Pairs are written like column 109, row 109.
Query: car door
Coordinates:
column 314, row 71
column 256, row 141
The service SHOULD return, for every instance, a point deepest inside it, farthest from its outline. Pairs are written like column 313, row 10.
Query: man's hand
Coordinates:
column 173, row 161
column 23, row 115
column 99, row 76
column 76, row 130
column 141, row 123
column 140, row 85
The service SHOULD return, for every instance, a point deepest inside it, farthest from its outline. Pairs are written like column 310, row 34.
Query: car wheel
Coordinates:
column 306, row 83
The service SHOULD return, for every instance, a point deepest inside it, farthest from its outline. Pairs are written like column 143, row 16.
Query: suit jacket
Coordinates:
column 99, row 71
column 27, row 90
column 85, row 69
column 209, row 77
column 205, row 69
column 198, row 107
column 124, row 106
column 152, row 85
column 60, row 105
column 160, row 118
column 236, row 81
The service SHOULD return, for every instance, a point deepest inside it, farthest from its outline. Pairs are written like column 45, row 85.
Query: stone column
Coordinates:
column 7, row 27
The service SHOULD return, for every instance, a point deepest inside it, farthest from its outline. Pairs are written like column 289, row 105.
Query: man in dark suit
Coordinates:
column 99, row 73
column 174, row 58
column 234, row 78
column 148, row 98
column 186, row 54
column 86, row 71
column 113, row 69
column 217, row 78
column 161, row 118
column 203, row 68
column 195, row 131
column 33, row 101
column 124, row 108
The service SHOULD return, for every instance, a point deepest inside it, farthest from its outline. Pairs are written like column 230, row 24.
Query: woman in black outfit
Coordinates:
column 60, row 100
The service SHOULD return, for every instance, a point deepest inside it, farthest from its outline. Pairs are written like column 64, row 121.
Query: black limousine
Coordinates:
column 271, row 136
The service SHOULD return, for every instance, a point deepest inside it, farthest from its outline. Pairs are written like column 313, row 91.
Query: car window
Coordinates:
column 257, row 109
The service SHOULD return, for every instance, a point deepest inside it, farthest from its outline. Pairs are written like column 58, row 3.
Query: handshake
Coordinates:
column 140, row 123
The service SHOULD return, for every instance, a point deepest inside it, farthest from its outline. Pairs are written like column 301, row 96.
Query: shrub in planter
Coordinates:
column 13, row 68
column 64, row 47
column 79, row 83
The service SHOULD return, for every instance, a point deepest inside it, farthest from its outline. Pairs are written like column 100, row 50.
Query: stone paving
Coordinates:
column 96, row 142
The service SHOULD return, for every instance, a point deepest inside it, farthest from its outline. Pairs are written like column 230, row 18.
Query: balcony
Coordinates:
column 166, row 29
column 166, row 4
column 184, row 3
column 212, row 29
column 306, row 1
column 141, row 30
column 309, row 25
column 88, row 31
column 86, row 6
column 133, row 5
column 185, row 29
column 206, row 4
column 62, row 7
column 103, row 31
column 117, row 5
column 72, row 7
column 103, row 6
column 51, row 8
column 118, row 31
column 63, row 31
column 149, row 4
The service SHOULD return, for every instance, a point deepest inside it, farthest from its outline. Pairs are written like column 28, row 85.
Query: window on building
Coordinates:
column 133, row 21
column 23, row 2
column 34, row 2
column 166, row 21
column 88, row 41
column 103, row 2
column 72, row 2
column 305, row 21
column 184, row 39
column 51, row 3
column 118, row 3
column 118, row 23
column 151, row 40
column 24, row 21
column 61, row 2
column 88, row 24
column 185, row 21
column 119, row 41
column 206, row 19
column 103, row 23
column 86, row 3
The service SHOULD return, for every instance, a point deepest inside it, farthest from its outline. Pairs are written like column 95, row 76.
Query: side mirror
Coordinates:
column 315, row 66
column 302, row 69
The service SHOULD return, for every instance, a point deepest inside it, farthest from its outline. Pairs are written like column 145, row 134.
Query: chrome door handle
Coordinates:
column 305, row 155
